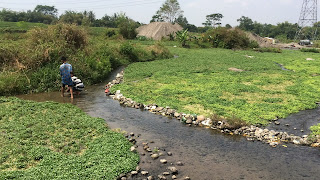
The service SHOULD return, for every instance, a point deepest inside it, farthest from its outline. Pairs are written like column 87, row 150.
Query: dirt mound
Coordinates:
column 269, row 42
column 158, row 30
column 263, row 42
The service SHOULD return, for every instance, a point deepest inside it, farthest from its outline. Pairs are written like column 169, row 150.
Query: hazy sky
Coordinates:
column 263, row 11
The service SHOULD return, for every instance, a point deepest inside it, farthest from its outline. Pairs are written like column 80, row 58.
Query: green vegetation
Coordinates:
column 199, row 81
column 31, row 63
column 59, row 141
column 315, row 130
column 313, row 50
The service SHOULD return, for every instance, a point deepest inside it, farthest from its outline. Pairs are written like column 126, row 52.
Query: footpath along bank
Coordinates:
column 252, row 132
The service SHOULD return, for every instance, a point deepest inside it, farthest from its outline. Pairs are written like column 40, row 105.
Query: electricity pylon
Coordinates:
column 308, row 18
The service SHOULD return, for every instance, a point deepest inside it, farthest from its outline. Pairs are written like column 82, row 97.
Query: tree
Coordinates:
column 246, row 23
column 169, row 11
column 72, row 17
column 46, row 10
column 156, row 18
column 213, row 20
column 182, row 21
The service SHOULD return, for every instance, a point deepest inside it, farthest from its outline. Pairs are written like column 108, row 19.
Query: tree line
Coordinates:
column 170, row 11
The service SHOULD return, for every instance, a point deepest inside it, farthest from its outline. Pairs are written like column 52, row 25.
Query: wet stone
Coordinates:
column 163, row 161
column 179, row 163
column 144, row 173
column 161, row 177
column 166, row 173
column 173, row 169
column 154, row 156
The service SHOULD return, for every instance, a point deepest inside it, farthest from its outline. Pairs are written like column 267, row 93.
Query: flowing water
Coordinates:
column 205, row 153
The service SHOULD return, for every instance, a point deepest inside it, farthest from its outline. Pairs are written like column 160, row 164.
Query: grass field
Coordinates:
column 198, row 81
column 58, row 141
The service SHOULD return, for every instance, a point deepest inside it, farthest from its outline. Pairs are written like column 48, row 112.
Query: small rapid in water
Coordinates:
column 205, row 153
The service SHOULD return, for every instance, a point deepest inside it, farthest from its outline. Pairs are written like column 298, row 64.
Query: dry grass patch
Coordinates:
column 258, row 97
column 277, row 87
column 199, row 109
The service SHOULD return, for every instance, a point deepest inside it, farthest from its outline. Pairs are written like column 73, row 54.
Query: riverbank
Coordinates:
column 133, row 83
column 53, row 140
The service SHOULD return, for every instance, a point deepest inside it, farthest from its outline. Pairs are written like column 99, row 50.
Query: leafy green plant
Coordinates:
column 182, row 37
column 59, row 141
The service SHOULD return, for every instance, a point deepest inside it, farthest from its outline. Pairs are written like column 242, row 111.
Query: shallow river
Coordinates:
column 206, row 154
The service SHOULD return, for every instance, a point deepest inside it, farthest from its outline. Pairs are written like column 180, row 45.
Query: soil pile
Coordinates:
column 265, row 42
column 158, row 30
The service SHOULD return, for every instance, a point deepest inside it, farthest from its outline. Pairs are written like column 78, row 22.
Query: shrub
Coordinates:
column 159, row 51
column 268, row 49
column 127, row 28
column 313, row 50
column 128, row 50
column 110, row 33
column 228, row 38
column 13, row 83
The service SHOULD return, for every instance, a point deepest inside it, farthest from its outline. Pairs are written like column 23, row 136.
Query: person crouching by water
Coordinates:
column 65, row 70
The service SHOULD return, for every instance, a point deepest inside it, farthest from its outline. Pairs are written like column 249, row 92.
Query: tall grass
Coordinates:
column 37, row 57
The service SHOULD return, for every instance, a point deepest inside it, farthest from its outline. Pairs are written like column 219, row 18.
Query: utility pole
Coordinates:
column 308, row 18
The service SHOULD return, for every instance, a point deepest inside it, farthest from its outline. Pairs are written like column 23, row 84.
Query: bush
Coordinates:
column 268, row 49
column 110, row 33
column 313, row 50
column 128, row 50
column 127, row 28
column 159, row 51
column 13, row 83
column 228, row 38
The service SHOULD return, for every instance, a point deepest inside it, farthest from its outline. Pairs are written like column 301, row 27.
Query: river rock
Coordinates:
column 174, row 177
column 163, row 161
column 277, row 123
column 124, row 178
column 189, row 121
column 169, row 153
column 179, row 163
column 161, row 177
column 134, row 173
column 150, row 178
column 166, row 173
column 154, row 156
column 144, row 173
column 173, row 170
column 200, row 118
column 138, row 168
column 133, row 149
column 206, row 122
column 187, row 178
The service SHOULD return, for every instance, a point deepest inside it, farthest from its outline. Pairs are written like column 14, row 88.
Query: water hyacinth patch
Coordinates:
column 58, row 141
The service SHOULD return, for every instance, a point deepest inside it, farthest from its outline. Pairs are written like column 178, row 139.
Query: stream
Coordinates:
column 206, row 154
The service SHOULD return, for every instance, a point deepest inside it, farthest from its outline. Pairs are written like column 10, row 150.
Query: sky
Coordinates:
column 262, row 11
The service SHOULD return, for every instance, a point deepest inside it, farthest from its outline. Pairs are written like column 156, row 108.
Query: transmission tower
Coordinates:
column 308, row 18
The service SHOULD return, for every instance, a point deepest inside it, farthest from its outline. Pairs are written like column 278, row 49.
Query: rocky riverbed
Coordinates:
column 252, row 133
column 154, row 156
